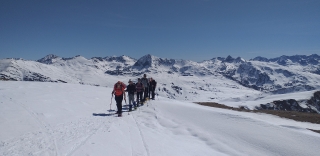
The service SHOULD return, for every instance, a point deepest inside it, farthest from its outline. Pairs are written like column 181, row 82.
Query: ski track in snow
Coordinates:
column 84, row 139
column 142, row 137
column 63, row 139
column 45, row 134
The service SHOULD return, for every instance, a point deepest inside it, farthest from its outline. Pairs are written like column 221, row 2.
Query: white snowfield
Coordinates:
column 57, row 119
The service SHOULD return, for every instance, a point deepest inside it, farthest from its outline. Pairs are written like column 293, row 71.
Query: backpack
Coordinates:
column 139, row 87
column 119, row 91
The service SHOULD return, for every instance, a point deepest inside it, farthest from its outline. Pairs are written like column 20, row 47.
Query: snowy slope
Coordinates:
column 25, row 70
column 40, row 118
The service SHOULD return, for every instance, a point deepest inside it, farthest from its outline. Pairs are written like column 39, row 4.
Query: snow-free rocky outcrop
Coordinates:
column 179, row 79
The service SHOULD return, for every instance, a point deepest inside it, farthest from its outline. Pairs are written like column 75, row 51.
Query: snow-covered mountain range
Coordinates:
column 208, row 80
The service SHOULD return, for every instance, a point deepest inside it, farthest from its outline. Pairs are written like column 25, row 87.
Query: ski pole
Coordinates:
column 111, row 102
column 125, row 101
column 128, row 106
column 157, row 95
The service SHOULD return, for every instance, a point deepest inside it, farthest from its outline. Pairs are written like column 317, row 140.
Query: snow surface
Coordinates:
column 38, row 118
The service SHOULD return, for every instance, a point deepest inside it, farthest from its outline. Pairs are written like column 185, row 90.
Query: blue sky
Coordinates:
column 181, row 29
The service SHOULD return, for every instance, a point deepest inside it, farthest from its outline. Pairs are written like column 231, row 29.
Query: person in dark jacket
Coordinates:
column 139, row 90
column 145, row 83
column 131, row 89
column 153, row 85
column 149, row 89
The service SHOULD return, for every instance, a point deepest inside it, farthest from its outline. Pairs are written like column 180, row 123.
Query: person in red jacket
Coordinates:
column 118, row 91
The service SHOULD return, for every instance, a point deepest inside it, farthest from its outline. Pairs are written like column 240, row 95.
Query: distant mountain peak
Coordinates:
column 148, row 57
column 239, row 59
column 259, row 58
column 144, row 62
column 148, row 61
column 50, row 56
column 48, row 59
column 230, row 59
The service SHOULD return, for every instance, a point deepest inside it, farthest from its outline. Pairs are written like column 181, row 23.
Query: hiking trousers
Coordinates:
column 139, row 97
column 152, row 93
column 119, row 103
column 146, row 93
column 131, row 100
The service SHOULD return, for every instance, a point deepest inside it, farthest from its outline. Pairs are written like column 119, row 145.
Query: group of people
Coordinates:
column 144, row 89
